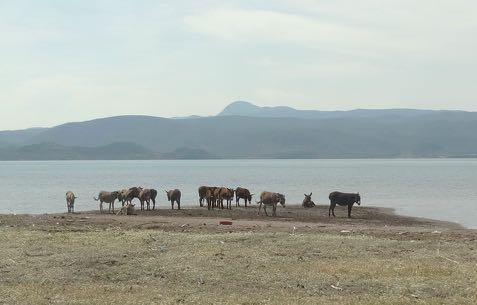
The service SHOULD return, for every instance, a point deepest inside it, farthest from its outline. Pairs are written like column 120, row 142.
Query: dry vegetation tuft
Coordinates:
column 141, row 266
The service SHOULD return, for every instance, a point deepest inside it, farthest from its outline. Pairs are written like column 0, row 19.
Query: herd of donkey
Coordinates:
column 213, row 196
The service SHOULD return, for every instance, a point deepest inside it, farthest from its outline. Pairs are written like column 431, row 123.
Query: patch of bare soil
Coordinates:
column 366, row 220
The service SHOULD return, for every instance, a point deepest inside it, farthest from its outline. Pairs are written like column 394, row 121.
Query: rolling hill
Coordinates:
column 241, row 108
column 237, row 133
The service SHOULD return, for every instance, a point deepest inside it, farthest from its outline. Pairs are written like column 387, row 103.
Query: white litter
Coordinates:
column 336, row 288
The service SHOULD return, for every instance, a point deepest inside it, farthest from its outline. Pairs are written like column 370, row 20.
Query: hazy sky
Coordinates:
column 76, row 60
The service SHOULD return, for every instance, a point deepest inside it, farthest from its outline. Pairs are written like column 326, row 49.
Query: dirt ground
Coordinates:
column 188, row 257
column 366, row 220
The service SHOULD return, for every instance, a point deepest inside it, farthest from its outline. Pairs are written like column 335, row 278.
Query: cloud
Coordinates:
column 97, row 58
column 357, row 29
column 22, row 37
column 257, row 26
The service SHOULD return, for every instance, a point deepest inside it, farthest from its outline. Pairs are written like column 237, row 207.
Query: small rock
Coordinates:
column 336, row 288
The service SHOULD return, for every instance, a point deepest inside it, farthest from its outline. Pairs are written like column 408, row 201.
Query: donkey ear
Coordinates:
column 311, row 194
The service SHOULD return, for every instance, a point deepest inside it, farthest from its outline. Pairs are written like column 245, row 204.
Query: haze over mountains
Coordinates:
column 243, row 130
column 241, row 108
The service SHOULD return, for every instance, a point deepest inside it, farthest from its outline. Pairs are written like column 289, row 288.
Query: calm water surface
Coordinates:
column 443, row 189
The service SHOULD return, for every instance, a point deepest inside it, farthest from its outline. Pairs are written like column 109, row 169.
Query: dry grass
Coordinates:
column 149, row 266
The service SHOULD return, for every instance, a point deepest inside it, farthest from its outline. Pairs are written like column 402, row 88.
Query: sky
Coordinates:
column 76, row 60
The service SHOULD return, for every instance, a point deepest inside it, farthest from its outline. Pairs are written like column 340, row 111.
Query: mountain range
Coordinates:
column 244, row 130
column 241, row 108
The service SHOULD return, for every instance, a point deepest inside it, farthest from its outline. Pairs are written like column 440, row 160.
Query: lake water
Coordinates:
column 443, row 189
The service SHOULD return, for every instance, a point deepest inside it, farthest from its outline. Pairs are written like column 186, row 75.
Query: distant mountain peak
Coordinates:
column 242, row 104
column 242, row 108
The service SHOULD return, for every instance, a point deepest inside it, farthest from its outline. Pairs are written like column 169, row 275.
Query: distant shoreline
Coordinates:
column 242, row 159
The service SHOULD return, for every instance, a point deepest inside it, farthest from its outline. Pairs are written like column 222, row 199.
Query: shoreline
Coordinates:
column 453, row 224
column 372, row 219
column 323, row 208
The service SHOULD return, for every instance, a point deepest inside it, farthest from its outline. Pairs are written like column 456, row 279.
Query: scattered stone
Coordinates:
column 336, row 287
